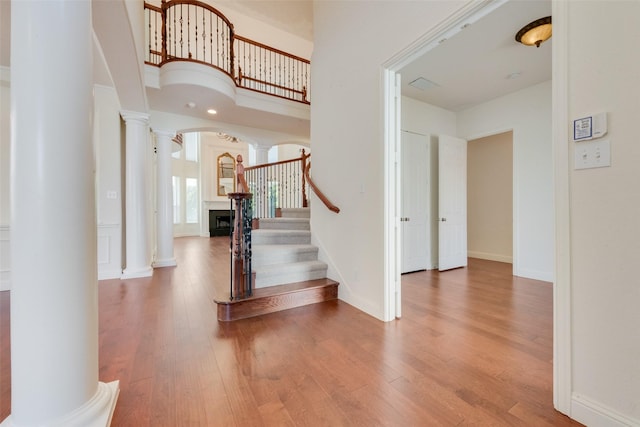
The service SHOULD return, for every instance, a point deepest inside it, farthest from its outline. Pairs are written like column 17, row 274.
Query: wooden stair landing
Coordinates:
column 277, row 298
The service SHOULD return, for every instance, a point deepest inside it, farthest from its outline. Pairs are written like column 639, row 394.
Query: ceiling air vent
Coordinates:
column 423, row 84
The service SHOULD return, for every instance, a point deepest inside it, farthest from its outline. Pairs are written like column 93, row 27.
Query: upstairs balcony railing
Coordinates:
column 190, row 30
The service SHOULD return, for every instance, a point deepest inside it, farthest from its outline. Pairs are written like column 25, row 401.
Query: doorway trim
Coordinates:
column 391, row 97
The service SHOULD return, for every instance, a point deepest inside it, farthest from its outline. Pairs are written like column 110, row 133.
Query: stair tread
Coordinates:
column 283, row 289
column 284, row 219
column 284, row 247
column 279, row 231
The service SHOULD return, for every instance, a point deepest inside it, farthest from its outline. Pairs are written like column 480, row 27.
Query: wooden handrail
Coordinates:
column 320, row 194
column 272, row 49
column 305, row 167
column 265, row 165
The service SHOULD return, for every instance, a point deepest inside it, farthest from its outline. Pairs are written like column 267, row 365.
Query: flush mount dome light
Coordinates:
column 536, row 32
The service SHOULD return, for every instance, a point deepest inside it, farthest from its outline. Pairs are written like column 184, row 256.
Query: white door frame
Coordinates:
column 469, row 13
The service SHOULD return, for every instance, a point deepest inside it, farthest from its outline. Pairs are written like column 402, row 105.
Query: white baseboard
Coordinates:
column 490, row 256
column 545, row 276
column 109, row 274
column 591, row 413
column 97, row 412
column 5, row 281
column 130, row 273
column 169, row 262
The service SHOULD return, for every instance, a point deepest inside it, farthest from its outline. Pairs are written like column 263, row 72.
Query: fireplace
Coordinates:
column 220, row 222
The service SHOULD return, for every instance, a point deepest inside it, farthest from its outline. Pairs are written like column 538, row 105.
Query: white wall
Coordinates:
column 426, row 119
column 107, row 140
column 5, row 154
column 262, row 32
column 291, row 151
column 528, row 114
column 347, row 133
column 605, row 215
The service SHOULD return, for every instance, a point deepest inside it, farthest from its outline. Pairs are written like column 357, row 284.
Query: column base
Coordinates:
column 97, row 412
column 167, row 262
column 130, row 273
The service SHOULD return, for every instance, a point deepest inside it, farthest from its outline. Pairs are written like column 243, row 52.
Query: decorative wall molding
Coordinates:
column 109, row 251
column 108, row 256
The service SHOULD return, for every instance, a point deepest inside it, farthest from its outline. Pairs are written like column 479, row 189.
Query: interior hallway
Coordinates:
column 474, row 347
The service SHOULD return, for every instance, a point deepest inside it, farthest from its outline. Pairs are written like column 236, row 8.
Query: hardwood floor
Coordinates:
column 474, row 347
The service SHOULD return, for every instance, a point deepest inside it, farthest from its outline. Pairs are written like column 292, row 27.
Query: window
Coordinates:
column 186, row 187
column 191, row 204
column 191, row 147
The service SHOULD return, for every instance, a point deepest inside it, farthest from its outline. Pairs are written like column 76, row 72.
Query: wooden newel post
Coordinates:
column 241, row 276
column 304, row 157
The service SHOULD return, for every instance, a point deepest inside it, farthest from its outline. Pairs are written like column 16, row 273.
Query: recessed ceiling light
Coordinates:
column 191, row 104
column 212, row 111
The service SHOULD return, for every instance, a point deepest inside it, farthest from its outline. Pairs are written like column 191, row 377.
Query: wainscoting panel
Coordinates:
column 109, row 251
column 109, row 254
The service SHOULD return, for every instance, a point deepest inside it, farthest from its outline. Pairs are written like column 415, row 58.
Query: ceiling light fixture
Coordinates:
column 536, row 32
column 227, row 137
column 212, row 111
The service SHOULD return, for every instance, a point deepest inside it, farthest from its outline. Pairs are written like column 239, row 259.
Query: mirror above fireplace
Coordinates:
column 226, row 174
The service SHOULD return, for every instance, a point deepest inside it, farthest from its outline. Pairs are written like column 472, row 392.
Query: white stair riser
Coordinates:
column 296, row 213
column 289, row 277
column 282, row 256
column 284, row 224
column 280, row 238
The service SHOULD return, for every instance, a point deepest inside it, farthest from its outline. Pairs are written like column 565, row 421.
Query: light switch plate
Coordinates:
column 592, row 154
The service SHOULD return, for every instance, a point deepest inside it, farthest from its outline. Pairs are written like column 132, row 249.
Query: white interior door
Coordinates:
column 452, row 202
column 414, row 217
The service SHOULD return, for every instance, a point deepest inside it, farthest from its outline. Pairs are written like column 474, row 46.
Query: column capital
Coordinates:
column 262, row 145
column 134, row 116
column 165, row 133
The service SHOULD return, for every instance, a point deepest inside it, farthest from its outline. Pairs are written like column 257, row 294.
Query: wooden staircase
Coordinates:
column 286, row 268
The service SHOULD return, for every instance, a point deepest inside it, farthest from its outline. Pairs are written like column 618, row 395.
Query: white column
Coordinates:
column 262, row 154
column 164, row 200
column 54, row 295
column 138, row 259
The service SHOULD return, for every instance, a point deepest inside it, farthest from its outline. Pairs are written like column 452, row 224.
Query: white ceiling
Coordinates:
column 472, row 67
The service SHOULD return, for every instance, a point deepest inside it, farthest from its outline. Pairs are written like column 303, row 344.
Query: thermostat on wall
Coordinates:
column 590, row 127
